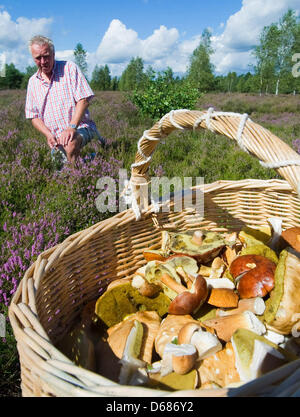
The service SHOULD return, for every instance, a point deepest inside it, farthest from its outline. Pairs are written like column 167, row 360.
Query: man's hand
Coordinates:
column 51, row 141
column 66, row 136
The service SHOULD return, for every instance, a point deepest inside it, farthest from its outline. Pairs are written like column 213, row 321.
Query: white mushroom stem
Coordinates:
column 197, row 238
column 130, row 363
column 255, row 305
column 180, row 358
column 220, row 283
column 263, row 353
column 274, row 337
column 172, row 284
column 206, row 343
column 276, row 228
column 188, row 278
column 217, row 268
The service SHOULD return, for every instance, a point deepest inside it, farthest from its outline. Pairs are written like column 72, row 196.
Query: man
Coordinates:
column 57, row 101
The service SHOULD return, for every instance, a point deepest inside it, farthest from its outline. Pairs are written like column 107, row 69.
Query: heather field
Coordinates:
column 40, row 206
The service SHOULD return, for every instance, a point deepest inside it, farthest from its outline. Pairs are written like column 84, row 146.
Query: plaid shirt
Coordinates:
column 54, row 103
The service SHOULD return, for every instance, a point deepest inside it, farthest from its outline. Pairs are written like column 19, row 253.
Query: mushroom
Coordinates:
column 292, row 237
column 169, row 330
column 219, row 368
column 276, row 230
column 283, row 305
column 255, row 305
column 118, row 334
column 220, row 283
column 223, row 297
column 227, row 325
column 217, row 268
column 154, row 255
column 178, row 358
column 130, row 362
column 144, row 287
column 176, row 267
column 197, row 237
column 188, row 244
column 254, row 274
column 205, row 342
column 255, row 355
column 187, row 301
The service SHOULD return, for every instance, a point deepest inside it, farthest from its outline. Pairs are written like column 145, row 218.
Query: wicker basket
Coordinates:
column 66, row 277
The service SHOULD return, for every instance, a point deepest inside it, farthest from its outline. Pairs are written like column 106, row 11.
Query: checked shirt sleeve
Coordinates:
column 31, row 106
column 80, row 86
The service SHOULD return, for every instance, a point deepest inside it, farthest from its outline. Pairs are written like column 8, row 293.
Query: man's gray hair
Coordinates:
column 41, row 40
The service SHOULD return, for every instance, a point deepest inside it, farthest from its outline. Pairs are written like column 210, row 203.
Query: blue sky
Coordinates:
column 163, row 32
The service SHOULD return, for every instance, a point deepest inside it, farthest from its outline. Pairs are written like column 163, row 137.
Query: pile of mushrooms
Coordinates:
column 220, row 288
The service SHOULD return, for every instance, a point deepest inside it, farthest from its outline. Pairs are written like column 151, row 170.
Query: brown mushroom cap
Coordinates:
column 292, row 237
column 257, row 275
column 191, row 300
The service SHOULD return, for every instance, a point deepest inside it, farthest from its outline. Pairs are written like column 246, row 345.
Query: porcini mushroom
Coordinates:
column 180, row 358
column 188, row 300
column 205, row 342
column 130, row 362
column 255, row 275
column 255, row 305
column 292, row 237
column 227, row 325
column 223, row 297
column 188, row 244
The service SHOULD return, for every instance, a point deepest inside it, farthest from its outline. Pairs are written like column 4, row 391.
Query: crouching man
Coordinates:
column 57, row 101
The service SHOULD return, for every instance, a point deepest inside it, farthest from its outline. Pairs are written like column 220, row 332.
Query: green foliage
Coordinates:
column 200, row 73
column 164, row 94
column 80, row 58
column 13, row 77
column 133, row 76
column 101, row 79
column 274, row 55
column 30, row 70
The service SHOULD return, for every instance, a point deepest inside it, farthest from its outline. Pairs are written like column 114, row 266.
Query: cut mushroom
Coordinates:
column 217, row 268
column 292, row 237
column 205, row 342
column 144, row 287
column 184, row 244
column 130, row 362
column 275, row 224
column 255, row 305
column 255, row 355
column 227, row 325
column 223, row 297
column 220, row 283
column 180, row 358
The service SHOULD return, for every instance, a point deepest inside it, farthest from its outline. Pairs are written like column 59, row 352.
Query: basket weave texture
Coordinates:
column 66, row 277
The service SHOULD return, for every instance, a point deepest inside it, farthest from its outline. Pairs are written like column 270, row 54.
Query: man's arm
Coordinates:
column 68, row 134
column 40, row 126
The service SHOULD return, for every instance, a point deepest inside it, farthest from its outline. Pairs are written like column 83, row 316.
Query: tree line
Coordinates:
column 272, row 73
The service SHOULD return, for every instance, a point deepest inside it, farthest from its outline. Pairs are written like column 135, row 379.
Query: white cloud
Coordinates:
column 119, row 44
column 14, row 37
column 242, row 30
column 164, row 47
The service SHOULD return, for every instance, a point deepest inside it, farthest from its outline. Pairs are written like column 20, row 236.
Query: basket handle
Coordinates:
column 252, row 138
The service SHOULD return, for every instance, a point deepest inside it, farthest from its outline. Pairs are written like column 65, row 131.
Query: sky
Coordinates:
column 162, row 32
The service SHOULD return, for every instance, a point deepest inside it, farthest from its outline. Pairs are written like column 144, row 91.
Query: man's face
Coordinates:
column 43, row 57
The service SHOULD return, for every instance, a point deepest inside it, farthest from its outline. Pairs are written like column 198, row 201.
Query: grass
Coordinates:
column 40, row 208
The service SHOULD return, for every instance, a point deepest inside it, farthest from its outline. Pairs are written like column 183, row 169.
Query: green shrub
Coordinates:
column 160, row 96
